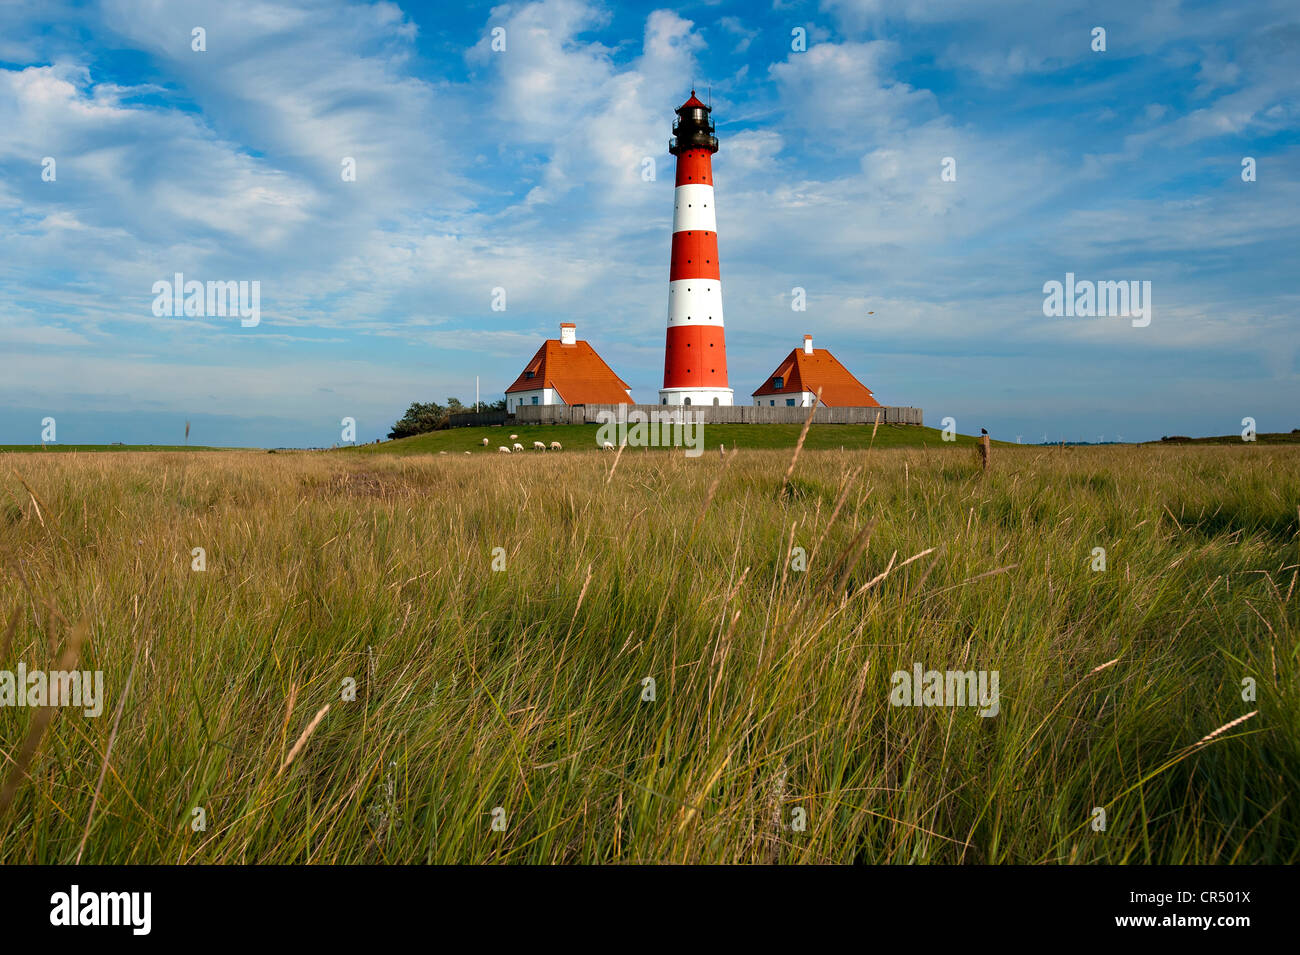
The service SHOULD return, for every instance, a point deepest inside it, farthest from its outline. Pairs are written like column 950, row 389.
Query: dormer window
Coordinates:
column 778, row 382
column 529, row 374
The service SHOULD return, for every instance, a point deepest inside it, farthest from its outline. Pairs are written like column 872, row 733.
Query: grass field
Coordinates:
column 519, row 696
column 715, row 436
column 1280, row 437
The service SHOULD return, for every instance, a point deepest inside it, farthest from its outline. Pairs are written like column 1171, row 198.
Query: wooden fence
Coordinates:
column 736, row 414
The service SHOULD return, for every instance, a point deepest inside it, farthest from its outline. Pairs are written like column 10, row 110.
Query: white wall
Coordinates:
column 700, row 397
column 803, row 399
column 544, row 396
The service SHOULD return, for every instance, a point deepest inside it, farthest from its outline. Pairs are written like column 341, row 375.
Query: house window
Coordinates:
column 778, row 383
column 772, row 402
column 687, row 401
column 534, row 399
column 789, row 402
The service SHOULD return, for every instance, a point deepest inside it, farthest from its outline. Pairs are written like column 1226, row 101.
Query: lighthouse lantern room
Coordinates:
column 695, row 353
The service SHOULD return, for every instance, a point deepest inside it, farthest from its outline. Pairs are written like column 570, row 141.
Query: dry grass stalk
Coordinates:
column 614, row 467
column 302, row 740
column 288, row 713
column 36, row 503
column 1225, row 727
column 582, row 594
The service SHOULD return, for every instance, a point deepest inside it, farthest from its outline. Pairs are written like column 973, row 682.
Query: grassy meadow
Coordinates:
column 505, row 715
column 715, row 437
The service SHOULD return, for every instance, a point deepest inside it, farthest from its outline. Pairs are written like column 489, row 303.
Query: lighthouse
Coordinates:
column 695, row 352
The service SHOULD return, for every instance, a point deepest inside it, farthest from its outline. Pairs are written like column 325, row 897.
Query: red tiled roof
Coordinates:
column 577, row 374
column 821, row 369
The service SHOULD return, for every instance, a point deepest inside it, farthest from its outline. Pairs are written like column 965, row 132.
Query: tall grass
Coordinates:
column 526, row 689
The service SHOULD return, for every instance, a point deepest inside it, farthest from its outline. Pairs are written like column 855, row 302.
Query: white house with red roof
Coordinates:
column 566, row 371
column 795, row 382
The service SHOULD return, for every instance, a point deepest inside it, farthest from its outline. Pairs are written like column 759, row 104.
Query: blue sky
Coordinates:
column 522, row 169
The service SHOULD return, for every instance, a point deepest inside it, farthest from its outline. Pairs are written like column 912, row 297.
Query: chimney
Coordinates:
column 807, row 344
column 568, row 333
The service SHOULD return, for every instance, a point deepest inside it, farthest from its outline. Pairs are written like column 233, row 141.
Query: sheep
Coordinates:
column 518, row 446
column 607, row 446
column 555, row 446
column 503, row 449
column 467, row 452
column 442, row 452
column 514, row 437
column 485, row 443
column 538, row 446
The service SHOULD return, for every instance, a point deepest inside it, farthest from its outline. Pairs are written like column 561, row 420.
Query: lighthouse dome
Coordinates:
column 692, row 103
column 693, row 130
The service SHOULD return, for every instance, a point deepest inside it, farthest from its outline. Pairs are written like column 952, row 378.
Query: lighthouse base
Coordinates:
column 696, row 397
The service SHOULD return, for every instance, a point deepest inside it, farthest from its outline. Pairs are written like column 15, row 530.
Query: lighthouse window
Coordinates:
column 688, row 400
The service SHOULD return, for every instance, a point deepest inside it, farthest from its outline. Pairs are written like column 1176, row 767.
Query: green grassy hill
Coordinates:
column 747, row 436
column 1278, row 437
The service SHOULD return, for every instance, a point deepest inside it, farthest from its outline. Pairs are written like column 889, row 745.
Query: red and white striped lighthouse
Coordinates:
column 695, row 354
